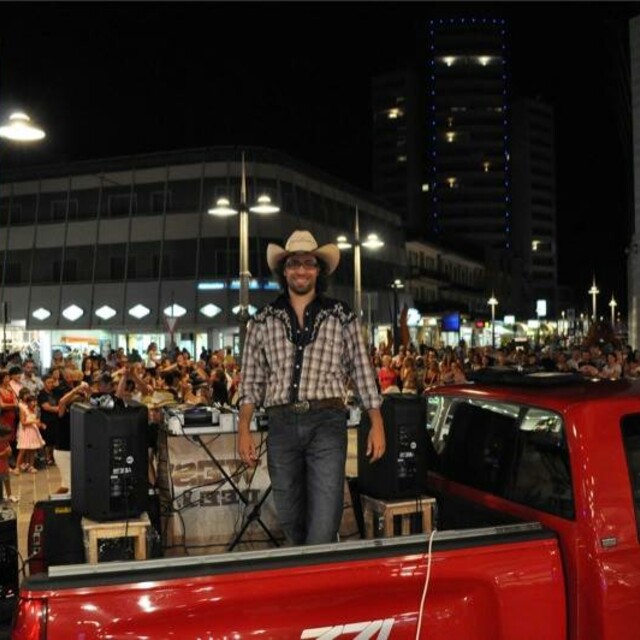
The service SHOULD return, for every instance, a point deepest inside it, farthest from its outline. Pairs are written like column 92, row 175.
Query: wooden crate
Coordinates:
column 135, row 528
column 380, row 516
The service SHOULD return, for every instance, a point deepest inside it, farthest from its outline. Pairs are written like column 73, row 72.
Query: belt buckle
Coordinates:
column 300, row 407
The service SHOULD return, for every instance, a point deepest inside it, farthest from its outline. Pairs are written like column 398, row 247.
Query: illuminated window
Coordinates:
column 41, row 313
column 139, row 311
column 174, row 311
column 215, row 285
column 450, row 136
column 105, row 312
column 535, row 244
column 395, row 113
column 452, row 182
column 402, row 158
column 210, row 310
column 425, row 187
column 73, row 312
column 251, row 309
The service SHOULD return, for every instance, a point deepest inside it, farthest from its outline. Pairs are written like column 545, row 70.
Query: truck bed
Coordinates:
column 482, row 581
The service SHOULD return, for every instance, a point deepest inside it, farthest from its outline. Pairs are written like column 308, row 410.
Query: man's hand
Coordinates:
column 376, row 442
column 247, row 449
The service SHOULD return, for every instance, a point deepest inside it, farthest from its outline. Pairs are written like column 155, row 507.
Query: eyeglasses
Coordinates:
column 295, row 263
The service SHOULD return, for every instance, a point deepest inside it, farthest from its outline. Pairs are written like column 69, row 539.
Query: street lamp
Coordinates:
column 19, row 128
column 372, row 242
column 395, row 285
column 224, row 209
column 594, row 291
column 492, row 302
column 613, row 304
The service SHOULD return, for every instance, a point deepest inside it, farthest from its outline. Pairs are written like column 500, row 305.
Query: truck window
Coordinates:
column 542, row 474
column 476, row 444
column 510, row 450
column 631, row 441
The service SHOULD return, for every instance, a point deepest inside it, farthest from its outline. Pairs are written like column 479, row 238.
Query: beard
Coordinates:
column 301, row 287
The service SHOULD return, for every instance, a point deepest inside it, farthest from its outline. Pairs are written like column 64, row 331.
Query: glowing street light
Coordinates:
column 223, row 208
column 594, row 291
column 613, row 304
column 493, row 302
column 372, row 242
column 20, row 128
column 395, row 285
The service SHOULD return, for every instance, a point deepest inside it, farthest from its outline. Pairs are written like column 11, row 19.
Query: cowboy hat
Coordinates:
column 303, row 242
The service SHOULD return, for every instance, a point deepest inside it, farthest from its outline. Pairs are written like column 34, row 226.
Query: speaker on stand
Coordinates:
column 109, row 460
column 402, row 471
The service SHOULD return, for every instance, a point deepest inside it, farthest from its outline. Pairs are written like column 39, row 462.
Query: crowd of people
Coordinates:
column 417, row 370
column 34, row 408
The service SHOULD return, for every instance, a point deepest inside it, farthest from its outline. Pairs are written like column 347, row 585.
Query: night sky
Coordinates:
column 109, row 79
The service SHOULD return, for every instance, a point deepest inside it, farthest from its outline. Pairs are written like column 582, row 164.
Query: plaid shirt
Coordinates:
column 283, row 362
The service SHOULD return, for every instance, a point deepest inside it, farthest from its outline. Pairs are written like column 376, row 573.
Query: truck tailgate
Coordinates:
column 490, row 583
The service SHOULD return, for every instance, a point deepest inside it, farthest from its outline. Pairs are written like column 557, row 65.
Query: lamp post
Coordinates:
column 395, row 285
column 19, row 128
column 613, row 304
column 594, row 291
column 492, row 302
column 372, row 242
column 223, row 209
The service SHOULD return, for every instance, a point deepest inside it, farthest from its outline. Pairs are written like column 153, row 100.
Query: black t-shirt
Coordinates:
column 63, row 436
column 48, row 397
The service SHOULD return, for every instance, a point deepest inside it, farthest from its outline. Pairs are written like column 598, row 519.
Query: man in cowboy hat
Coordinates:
column 300, row 352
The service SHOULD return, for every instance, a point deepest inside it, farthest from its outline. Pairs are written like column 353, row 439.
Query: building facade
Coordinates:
column 121, row 252
column 466, row 166
column 534, row 202
column 633, row 257
column 468, row 172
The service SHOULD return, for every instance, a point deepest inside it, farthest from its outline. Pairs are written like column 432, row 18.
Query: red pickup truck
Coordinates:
column 537, row 486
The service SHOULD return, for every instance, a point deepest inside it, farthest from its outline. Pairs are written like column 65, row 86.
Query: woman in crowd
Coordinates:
column 408, row 375
column 387, row 376
column 8, row 408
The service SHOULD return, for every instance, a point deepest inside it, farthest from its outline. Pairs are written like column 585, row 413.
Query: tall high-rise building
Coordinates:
column 633, row 261
column 398, row 144
column 534, row 200
column 443, row 140
column 467, row 136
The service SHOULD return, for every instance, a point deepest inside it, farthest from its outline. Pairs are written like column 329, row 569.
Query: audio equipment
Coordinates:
column 55, row 535
column 402, row 470
column 8, row 555
column 109, row 461
column 189, row 420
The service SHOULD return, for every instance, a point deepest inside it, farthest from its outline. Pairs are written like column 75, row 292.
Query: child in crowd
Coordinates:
column 5, row 453
column 29, row 437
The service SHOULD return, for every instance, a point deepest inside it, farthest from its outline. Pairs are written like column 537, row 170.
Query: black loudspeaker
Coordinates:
column 402, row 471
column 55, row 535
column 8, row 554
column 109, row 459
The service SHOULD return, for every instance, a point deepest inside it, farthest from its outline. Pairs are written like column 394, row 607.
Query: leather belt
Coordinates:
column 304, row 406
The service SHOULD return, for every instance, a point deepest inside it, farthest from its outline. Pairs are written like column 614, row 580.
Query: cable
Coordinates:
column 426, row 583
